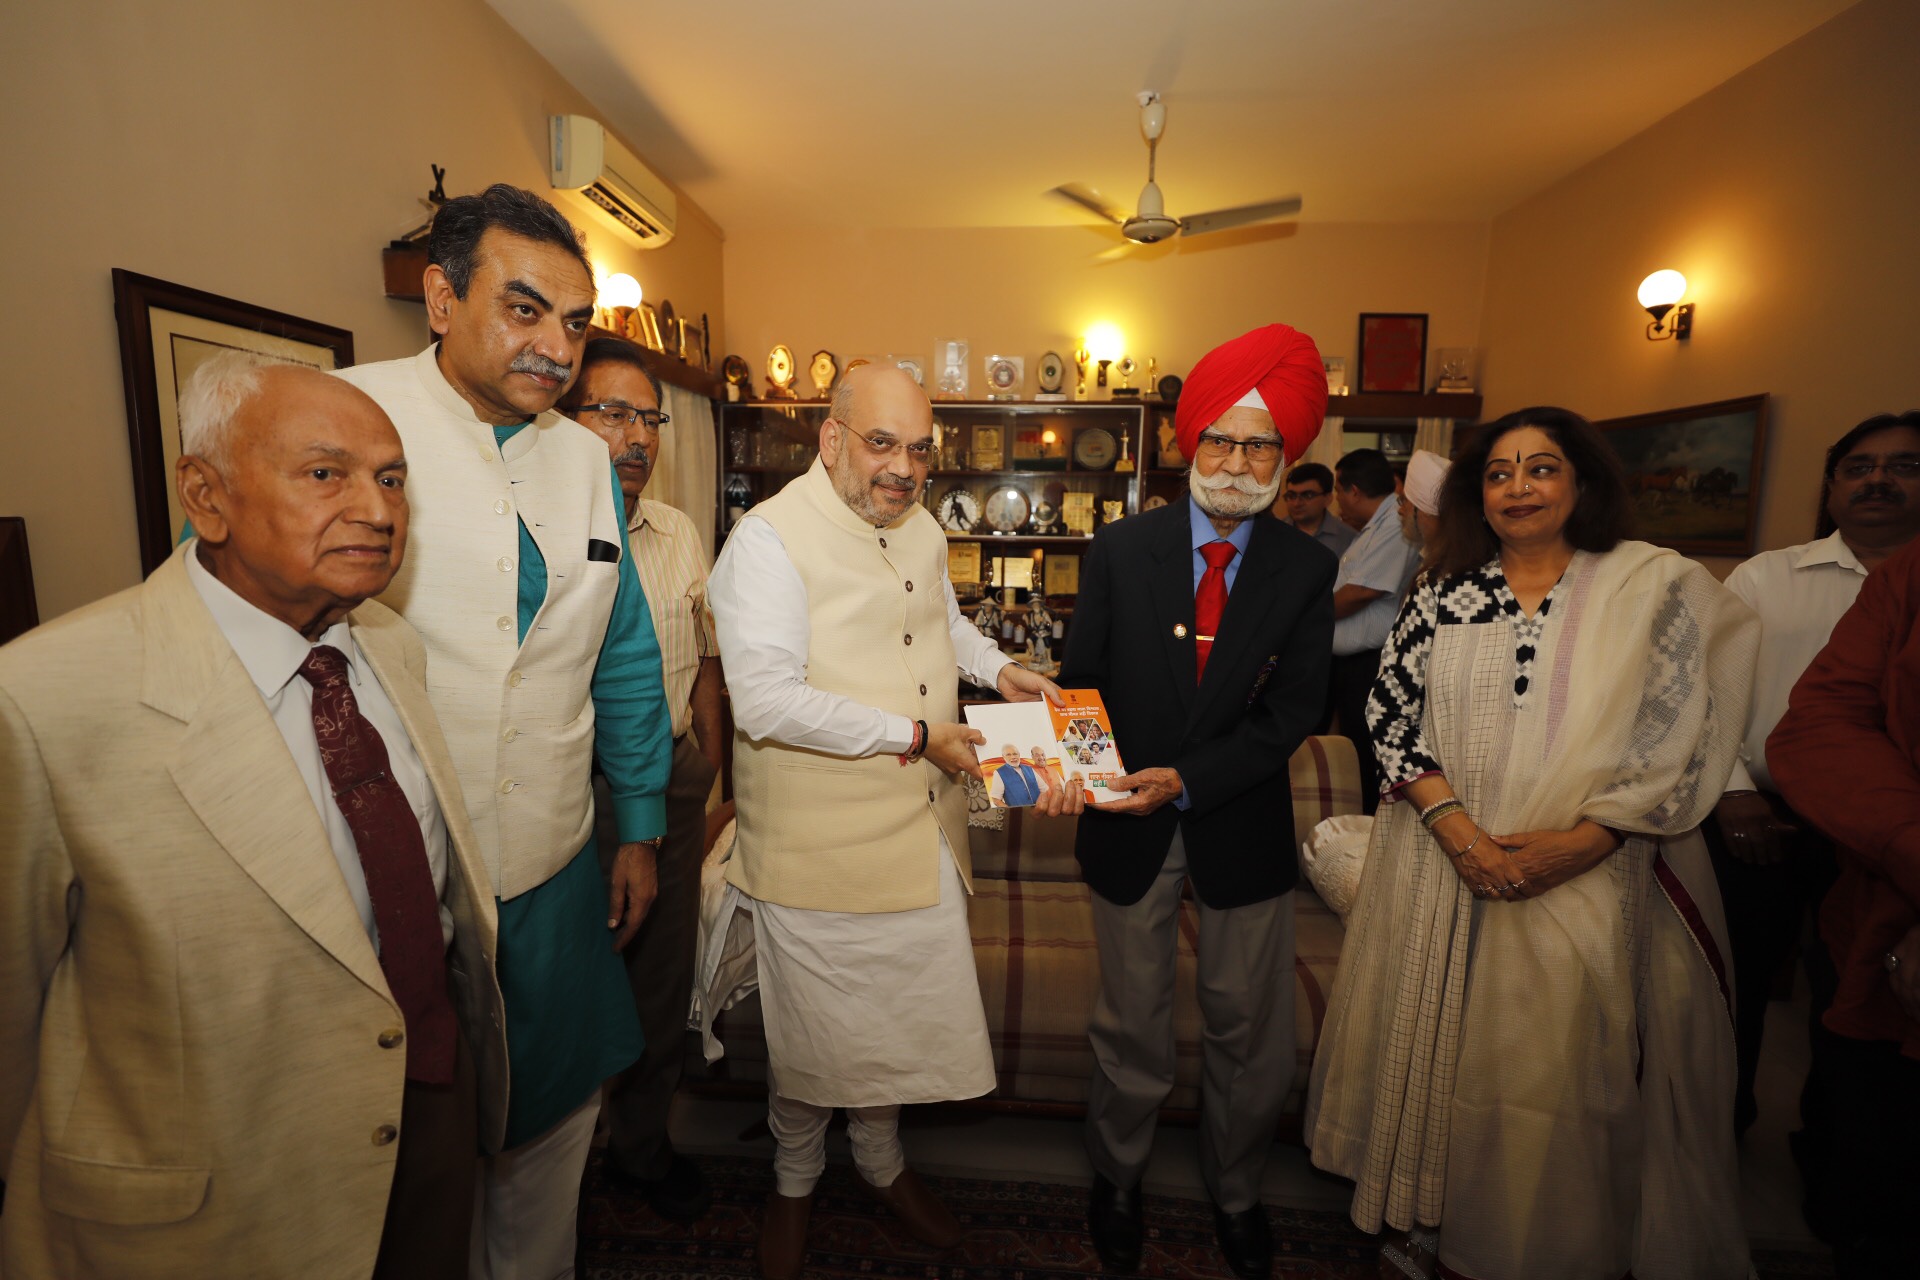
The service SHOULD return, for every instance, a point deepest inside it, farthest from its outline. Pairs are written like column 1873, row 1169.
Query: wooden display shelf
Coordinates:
column 1022, row 473
column 1045, row 539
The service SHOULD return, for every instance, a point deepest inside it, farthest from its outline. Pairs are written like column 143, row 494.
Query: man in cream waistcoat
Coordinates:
column 541, row 657
column 843, row 645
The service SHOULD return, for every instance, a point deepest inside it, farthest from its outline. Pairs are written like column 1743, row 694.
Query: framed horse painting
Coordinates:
column 1695, row 473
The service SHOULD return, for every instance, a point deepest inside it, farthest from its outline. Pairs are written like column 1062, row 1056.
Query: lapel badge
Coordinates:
column 1179, row 631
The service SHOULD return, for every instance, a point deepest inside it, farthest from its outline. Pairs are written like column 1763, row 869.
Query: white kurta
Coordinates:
column 861, row 1009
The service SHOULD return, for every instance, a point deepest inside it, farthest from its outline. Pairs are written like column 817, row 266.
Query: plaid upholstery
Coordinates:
column 1039, row 969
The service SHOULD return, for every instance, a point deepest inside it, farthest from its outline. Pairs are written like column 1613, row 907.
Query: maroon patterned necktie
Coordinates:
column 1210, row 601
column 394, row 857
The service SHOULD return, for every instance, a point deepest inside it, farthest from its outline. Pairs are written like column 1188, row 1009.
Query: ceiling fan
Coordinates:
column 1150, row 222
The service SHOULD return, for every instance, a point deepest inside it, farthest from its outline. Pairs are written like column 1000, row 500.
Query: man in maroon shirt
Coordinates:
column 1847, row 757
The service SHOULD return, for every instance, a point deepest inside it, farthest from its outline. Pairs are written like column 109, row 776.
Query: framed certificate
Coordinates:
column 989, row 449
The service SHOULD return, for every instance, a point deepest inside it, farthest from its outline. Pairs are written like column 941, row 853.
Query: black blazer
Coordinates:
column 1230, row 737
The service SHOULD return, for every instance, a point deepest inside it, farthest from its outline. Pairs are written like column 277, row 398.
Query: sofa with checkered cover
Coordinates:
column 1039, row 970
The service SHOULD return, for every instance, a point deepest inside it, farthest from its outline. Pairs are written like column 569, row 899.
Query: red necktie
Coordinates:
column 394, row 857
column 1210, row 601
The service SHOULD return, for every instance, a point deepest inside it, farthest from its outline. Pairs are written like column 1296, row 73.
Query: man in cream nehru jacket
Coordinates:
column 540, row 657
column 843, row 645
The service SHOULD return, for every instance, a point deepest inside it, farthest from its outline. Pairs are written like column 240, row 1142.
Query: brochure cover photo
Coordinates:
column 1034, row 748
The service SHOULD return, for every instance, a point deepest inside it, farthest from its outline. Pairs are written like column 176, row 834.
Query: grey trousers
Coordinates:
column 659, row 967
column 1245, row 989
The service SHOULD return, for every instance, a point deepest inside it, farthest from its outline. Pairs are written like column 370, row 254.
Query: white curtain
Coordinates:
column 687, row 475
column 1329, row 446
column 1435, row 435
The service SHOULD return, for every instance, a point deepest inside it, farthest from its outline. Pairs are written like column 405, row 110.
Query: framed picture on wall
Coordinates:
column 166, row 332
column 1393, row 352
column 1694, row 473
column 18, row 612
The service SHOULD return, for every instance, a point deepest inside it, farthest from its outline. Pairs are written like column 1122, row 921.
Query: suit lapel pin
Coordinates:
column 1179, row 631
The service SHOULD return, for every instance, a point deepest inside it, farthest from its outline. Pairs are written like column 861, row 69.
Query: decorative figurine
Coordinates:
column 1041, row 622
column 988, row 617
column 1080, row 357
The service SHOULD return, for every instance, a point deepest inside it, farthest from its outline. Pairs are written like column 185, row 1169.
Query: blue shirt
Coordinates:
column 1204, row 532
column 1380, row 559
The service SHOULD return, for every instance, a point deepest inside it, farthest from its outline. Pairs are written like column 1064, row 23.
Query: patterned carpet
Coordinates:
column 1015, row 1231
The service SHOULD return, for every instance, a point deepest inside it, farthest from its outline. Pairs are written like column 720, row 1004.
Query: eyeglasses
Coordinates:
column 1214, row 445
column 882, row 445
column 1300, row 495
column 625, row 415
column 1905, row 468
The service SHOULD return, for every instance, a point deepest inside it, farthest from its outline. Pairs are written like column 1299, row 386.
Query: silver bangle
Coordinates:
column 1477, row 833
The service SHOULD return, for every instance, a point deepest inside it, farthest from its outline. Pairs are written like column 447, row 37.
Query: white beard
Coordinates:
column 1229, row 497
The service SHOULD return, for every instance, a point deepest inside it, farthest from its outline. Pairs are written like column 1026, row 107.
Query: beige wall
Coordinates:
column 1022, row 291
column 1789, row 198
column 253, row 150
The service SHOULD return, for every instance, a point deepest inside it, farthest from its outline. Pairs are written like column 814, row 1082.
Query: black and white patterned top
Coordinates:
column 1398, row 700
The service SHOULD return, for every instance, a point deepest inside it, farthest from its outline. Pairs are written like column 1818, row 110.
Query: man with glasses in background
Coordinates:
column 1206, row 626
column 843, row 649
column 1303, row 504
column 1772, row 865
column 618, row 398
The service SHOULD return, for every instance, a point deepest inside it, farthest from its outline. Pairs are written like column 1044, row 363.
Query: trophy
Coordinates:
column 780, row 374
column 823, row 371
column 951, row 357
column 739, row 379
column 1126, row 390
column 1080, row 358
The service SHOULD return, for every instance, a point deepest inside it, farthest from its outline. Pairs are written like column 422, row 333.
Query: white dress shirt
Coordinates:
column 272, row 652
column 761, row 603
column 1799, row 593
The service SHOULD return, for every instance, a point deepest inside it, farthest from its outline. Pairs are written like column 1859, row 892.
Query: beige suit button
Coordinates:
column 514, row 679
column 486, row 454
column 506, row 564
column 500, row 507
column 509, row 735
column 384, row 1135
column 507, row 785
column 391, row 1038
column 504, row 622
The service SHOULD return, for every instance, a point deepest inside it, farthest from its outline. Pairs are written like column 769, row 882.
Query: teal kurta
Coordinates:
column 570, row 1015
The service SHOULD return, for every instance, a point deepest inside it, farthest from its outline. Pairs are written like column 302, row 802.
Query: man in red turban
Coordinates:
column 1274, row 368
column 1207, row 627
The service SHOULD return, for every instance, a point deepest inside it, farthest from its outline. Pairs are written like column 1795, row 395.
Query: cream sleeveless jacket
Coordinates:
column 826, row 833
column 518, row 717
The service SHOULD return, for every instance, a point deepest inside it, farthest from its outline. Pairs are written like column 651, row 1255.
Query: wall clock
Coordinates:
column 958, row 511
column 1007, row 509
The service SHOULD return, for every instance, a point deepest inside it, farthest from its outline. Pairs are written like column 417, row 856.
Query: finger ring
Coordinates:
column 1891, row 961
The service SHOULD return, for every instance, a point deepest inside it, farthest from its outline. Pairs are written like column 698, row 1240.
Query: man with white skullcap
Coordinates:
column 1420, row 496
column 1207, row 626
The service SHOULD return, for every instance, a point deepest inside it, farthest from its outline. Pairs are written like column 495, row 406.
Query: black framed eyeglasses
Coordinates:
column 1215, row 445
column 1905, row 467
column 625, row 415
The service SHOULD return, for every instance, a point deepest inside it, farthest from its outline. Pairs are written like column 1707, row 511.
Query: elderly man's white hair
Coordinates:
column 213, row 395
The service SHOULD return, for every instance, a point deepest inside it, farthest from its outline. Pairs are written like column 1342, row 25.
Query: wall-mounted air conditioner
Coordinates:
column 584, row 157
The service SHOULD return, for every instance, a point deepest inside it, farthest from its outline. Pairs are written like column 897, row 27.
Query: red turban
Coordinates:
column 1280, row 363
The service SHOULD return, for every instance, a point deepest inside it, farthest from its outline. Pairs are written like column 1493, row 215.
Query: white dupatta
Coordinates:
column 1549, row 1081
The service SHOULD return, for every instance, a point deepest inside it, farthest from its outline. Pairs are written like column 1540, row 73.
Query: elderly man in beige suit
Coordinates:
column 249, row 1024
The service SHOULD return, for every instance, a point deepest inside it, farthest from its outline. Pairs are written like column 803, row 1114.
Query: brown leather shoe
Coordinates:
column 783, row 1235
column 918, row 1209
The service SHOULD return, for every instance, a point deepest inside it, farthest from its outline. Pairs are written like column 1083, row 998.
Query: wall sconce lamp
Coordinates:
column 1659, row 294
column 1105, row 344
column 620, row 294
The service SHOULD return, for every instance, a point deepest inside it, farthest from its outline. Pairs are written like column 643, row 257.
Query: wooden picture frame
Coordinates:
column 1393, row 353
column 19, row 612
column 1694, row 473
column 166, row 331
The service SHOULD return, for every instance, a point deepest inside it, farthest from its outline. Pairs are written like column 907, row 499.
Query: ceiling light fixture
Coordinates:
column 1659, row 294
